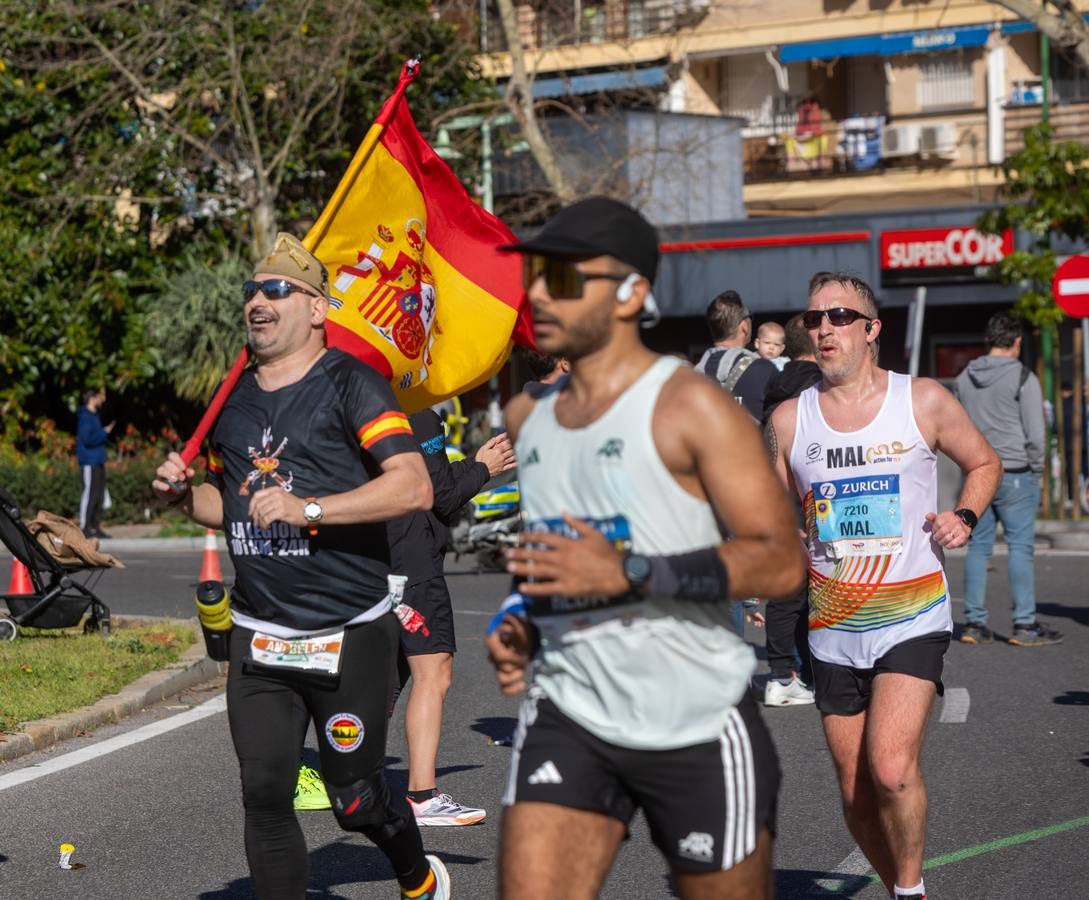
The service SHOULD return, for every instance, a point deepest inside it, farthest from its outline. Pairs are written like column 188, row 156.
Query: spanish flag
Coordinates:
column 418, row 288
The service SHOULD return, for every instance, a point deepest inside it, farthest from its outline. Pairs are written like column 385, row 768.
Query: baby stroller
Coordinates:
column 62, row 589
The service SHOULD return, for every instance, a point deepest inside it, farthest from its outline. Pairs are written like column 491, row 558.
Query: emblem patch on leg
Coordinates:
column 344, row 732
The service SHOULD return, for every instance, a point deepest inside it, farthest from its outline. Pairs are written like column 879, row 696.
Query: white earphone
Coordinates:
column 624, row 291
column 650, row 315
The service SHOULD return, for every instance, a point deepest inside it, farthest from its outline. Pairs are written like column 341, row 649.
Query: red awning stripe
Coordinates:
column 772, row 240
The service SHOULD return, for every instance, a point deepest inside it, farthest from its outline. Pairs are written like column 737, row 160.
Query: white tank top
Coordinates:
column 875, row 576
column 653, row 673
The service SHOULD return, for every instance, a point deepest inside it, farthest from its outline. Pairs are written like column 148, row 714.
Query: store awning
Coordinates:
column 619, row 80
column 888, row 44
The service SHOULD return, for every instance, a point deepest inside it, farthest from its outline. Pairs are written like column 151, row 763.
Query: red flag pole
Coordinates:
column 192, row 446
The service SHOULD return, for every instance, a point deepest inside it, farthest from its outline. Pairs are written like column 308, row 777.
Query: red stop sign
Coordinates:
column 1071, row 286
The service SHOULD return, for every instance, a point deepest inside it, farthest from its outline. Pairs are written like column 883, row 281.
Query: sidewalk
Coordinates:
column 145, row 537
column 192, row 668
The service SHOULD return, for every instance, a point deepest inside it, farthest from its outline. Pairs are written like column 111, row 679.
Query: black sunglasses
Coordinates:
column 273, row 289
column 562, row 280
column 839, row 316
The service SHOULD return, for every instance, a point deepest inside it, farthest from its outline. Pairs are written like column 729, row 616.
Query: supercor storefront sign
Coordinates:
column 940, row 255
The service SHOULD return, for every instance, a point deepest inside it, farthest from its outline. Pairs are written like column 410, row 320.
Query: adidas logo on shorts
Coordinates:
column 547, row 773
column 697, row 845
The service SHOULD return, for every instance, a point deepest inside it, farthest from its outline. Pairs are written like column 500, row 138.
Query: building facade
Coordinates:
column 871, row 137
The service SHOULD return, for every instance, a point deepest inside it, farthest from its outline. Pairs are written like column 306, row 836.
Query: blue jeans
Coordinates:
column 1015, row 507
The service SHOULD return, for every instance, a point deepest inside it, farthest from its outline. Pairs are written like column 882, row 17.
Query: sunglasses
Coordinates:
column 562, row 280
column 273, row 289
column 839, row 317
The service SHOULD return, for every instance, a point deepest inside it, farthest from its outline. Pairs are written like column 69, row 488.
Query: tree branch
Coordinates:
column 519, row 98
column 1065, row 26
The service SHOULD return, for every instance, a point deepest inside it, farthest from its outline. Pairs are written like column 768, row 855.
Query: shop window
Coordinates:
column 946, row 82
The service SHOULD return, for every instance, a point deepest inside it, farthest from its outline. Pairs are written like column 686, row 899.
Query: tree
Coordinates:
column 131, row 130
column 1046, row 191
column 1060, row 20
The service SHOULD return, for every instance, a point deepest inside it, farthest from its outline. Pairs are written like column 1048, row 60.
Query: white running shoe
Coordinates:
column 793, row 694
column 442, row 809
column 442, row 878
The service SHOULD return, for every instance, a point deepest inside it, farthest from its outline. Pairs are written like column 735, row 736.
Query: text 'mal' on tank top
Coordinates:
column 875, row 576
column 645, row 673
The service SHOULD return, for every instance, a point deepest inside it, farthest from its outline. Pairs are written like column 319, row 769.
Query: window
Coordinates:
column 750, row 90
column 946, row 82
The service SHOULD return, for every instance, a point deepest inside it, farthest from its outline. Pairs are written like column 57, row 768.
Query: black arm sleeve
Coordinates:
column 453, row 484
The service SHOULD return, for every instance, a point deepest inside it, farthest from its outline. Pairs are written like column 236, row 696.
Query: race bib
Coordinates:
column 318, row 653
column 617, row 531
column 859, row 516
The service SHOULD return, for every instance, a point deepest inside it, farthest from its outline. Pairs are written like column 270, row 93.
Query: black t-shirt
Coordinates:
column 325, row 434
column 418, row 541
column 751, row 385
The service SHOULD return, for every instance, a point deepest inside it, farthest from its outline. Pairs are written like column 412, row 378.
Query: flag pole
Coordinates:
column 409, row 71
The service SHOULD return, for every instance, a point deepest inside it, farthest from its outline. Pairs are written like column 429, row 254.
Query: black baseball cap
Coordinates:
column 597, row 226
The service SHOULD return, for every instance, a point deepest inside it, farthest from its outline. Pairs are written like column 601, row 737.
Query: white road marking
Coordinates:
column 138, row 735
column 855, row 864
column 955, row 705
column 474, row 612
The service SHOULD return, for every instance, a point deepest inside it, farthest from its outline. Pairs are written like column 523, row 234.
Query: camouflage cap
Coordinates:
column 291, row 259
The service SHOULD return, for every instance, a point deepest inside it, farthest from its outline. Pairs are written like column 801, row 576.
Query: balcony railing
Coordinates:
column 860, row 144
column 1070, row 121
column 559, row 23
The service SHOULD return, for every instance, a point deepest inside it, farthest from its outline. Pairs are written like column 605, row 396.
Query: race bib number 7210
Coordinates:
column 859, row 516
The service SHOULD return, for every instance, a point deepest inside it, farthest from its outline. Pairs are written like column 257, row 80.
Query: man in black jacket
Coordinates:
column 787, row 621
column 418, row 544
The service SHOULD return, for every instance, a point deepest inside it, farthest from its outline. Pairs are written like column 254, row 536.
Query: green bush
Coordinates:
column 40, row 470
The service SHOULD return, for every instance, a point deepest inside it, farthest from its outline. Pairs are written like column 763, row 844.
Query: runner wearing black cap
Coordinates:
column 637, row 687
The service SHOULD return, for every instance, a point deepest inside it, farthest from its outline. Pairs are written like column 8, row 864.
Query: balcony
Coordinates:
column 859, row 145
column 561, row 23
column 1070, row 121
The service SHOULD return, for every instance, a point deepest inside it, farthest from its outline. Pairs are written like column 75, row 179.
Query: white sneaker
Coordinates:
column 793, row 694
column 442, row 809
column 442, row 878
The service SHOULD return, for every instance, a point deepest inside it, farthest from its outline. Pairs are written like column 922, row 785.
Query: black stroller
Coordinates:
column 62, row 591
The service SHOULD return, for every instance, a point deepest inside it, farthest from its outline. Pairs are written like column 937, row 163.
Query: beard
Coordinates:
column 582, row 336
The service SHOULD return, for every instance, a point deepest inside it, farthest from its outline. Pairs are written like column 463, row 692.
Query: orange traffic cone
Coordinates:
column 20, row 579
column 209, row 564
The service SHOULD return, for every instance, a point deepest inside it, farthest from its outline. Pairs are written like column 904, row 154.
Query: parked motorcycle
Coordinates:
column 489, row 522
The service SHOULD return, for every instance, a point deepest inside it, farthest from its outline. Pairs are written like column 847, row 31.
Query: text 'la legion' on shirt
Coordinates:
column 876, row 578
column 653, row 673
column 325, row 434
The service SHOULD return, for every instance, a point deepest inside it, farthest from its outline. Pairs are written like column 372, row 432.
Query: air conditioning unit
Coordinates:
column 899, row 140
column 938, row 140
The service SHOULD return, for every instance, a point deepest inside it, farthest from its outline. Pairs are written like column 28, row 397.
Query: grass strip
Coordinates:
column 48, row 671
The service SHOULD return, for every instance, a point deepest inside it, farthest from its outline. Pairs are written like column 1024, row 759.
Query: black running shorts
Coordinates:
column 705, row 804
column 430, row 599
column 845, row 690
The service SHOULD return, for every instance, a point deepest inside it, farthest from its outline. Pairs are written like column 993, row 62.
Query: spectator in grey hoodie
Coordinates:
column 1004, row 400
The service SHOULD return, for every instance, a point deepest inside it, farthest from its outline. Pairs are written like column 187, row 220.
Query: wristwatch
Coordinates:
column 312, row 512
column 637, row 571
column 968, row 517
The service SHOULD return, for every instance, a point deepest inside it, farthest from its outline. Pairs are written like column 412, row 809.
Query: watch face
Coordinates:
column 967, row 517
column 637, row 569
column 312, row 511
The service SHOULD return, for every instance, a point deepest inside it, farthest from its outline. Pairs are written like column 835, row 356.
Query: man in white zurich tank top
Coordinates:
column 637, row 689
column 859, row 448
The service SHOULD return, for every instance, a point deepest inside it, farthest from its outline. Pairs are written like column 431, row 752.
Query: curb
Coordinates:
column 192, row 668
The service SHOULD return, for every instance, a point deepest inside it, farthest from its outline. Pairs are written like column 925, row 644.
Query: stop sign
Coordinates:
column 1071, row 286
